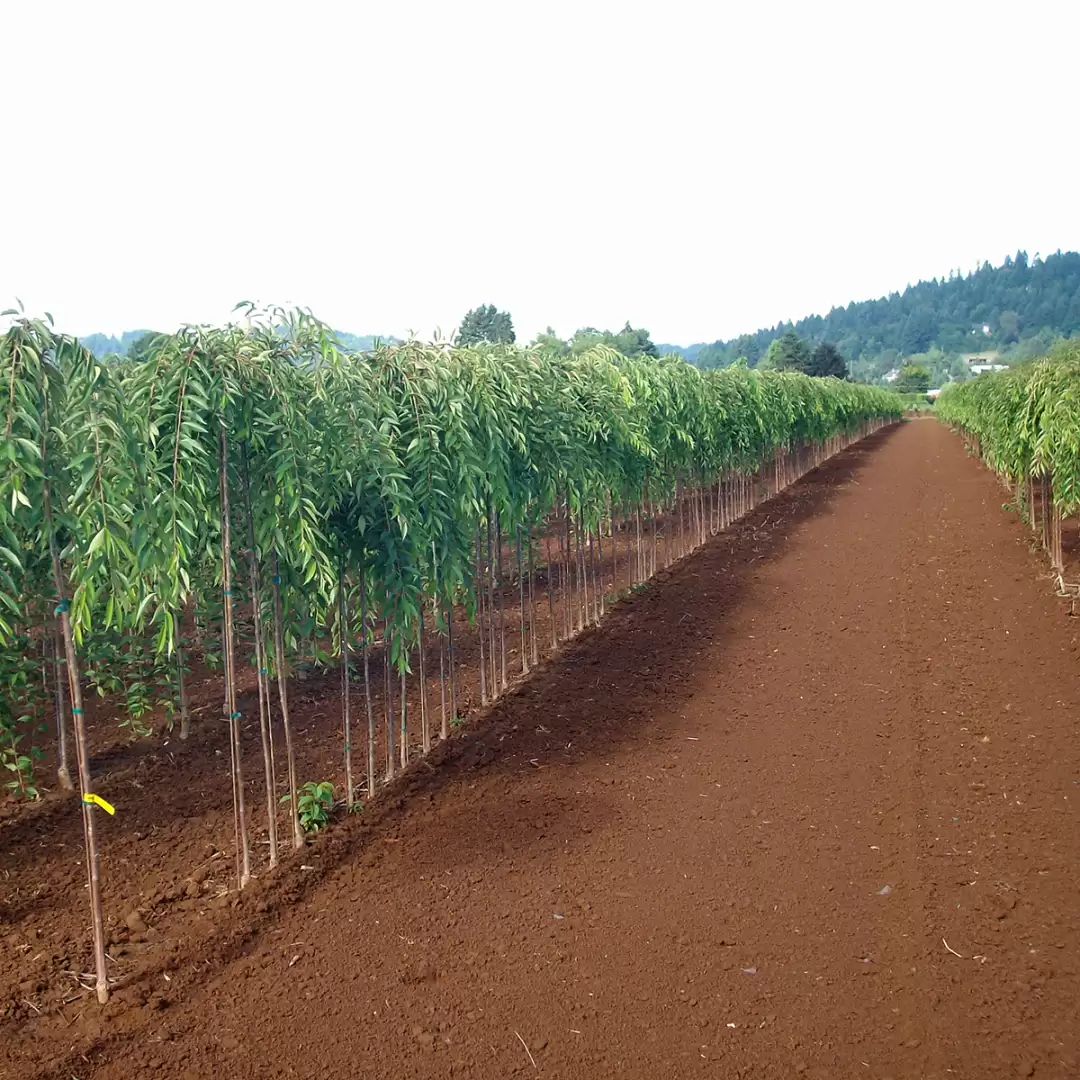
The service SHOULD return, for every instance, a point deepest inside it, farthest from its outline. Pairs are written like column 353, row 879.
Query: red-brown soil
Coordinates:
column 743, row 829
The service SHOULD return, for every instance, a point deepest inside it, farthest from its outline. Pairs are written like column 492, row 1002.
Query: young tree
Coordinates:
column 70, row 491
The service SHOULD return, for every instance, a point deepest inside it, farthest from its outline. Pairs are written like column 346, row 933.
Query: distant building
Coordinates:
column 978, row 364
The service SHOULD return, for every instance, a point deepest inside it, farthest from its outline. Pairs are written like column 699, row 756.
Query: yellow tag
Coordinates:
column 97, row 800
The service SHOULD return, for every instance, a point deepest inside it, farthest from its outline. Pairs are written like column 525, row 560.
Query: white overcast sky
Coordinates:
column 700, row 168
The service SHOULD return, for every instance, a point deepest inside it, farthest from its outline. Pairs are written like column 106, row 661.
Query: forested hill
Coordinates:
column 106, row 345
column 1021, row 306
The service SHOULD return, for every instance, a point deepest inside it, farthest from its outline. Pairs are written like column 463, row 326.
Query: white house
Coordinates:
column 978, row 364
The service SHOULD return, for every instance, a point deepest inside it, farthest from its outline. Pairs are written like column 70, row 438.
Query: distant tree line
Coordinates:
column 137, row 344
column 630, row 341
column 789, row 352
column 1017, row 309
column 488, row 323
column 107, row 345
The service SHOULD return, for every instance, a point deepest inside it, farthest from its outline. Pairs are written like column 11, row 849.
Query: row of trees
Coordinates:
column 1025, row 424
column 257, row 485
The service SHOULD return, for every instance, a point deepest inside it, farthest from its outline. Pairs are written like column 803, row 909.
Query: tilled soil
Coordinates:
column 167, row 858
column 804, row 807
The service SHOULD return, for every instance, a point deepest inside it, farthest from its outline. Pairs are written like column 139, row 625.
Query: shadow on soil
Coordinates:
column 601, row 694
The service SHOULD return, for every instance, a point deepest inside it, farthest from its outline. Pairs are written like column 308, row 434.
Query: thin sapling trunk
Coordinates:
column 283, row 698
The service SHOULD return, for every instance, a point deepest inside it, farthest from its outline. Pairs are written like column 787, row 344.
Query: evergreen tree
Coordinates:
column 826, row 361
column 789, row 352
column 486, row 323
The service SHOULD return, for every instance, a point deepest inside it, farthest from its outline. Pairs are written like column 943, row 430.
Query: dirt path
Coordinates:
column 727, row 835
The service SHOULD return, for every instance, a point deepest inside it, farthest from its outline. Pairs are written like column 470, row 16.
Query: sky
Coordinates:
column 699, row 168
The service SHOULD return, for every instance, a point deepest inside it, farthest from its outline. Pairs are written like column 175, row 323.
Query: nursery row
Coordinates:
column 255, row 495
column 1025, row 424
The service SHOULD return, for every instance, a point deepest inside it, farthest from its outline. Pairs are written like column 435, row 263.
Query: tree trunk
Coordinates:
column 493, row 664
column 521, row 601
column 403, row 742
column 283, row 700
column 600, row 564
column 450, row 660
column 82, row 756
column 346, row 718
column 371, row 781
column 614, row 557
column 1056, row 559
column 532, row 601
column 181, row 686
column 638, row 566
column 480, row 589
column 583, row 575
column 388, row 706
column 425, row 720
column 568, row 578
column 503, row 681
column 653, row 507
column 444, row 720
column 239, row 814
column 550, row 591
column 265, row 730
column 63, row 769
column 592, row 573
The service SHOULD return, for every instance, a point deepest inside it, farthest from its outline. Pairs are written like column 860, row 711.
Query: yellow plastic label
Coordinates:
column 97, row 800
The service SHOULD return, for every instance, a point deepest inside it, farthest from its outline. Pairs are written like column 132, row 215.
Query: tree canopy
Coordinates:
column 137, row 344
column 1024, row 424
column 789, row 352
column 486, row 323
column 913, row 379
